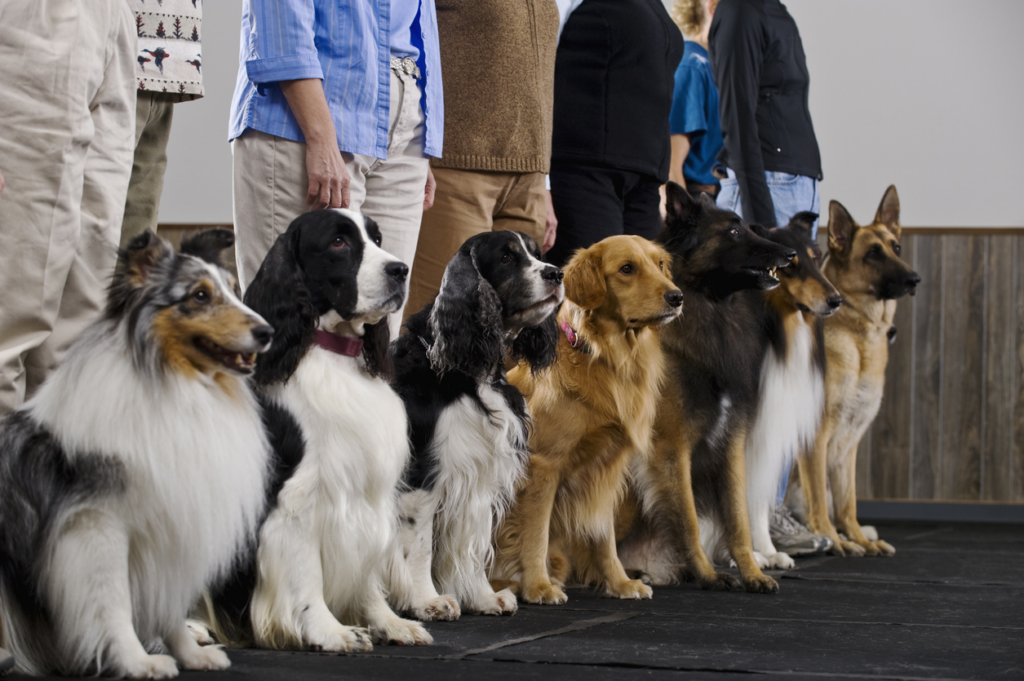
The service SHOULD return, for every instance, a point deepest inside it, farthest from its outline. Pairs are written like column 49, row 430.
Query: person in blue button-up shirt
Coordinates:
column 338, row 103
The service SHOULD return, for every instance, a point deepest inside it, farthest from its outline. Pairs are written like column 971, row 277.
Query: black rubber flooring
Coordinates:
column 949, row 605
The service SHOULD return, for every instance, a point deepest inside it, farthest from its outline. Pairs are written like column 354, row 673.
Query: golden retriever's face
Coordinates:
column 624, row 278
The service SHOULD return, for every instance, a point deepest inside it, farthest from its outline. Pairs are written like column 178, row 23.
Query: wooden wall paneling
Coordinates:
column 1017, row 482
column 962, row 368
column 926, row 340
column 890, row 433
column 1000, row 364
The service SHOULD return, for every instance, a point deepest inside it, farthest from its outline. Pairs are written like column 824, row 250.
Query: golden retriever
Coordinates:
column 592, row 413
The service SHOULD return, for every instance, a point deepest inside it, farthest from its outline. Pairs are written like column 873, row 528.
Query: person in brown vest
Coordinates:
column 498, row 60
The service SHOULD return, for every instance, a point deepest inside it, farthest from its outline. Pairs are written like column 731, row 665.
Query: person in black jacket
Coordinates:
column 614, row 75
column 770, row 149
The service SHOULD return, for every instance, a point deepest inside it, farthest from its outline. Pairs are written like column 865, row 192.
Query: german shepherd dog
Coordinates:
column 713, row 369
column 864, row 264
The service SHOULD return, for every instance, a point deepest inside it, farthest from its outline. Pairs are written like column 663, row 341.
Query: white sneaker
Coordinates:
column 789, row 536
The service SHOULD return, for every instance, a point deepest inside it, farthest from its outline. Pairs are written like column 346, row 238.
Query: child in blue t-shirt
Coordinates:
column 696, row 132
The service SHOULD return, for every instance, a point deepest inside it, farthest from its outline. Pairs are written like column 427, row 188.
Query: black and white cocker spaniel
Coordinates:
column 320, row 575
column 467, row 424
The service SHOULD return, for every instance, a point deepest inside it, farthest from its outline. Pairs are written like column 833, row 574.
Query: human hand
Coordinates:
column 328, row 177
column 550, row 225
column 429, row 189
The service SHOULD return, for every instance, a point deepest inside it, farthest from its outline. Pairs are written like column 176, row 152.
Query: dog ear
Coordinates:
column 759, row 230
column 841, row 228
column 679, row 205
column 136, row 264
column 142, row 254
column 377, row 350
column 466, row 320
column 803, row 223
column 209, row 245
column 538, row 344
column 889, row 211
column 279, row 295
column 584, row 280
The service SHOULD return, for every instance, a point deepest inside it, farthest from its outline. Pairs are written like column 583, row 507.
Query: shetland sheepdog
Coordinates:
column 135, row 475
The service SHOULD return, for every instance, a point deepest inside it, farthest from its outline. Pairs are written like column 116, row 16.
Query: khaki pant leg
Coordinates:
column 269, row 184
column 61, row 63
column 154, row 113
column 393, row 191
column 464, row 206
column 524, row 208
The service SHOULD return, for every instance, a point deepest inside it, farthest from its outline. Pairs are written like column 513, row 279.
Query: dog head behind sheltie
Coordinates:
column 867, row 259
column 183, row 311
column 804, row 287
column 715, row 251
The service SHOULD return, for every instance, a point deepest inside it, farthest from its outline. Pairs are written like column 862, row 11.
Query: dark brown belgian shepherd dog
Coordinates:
column 713, row 367
column 864, row 265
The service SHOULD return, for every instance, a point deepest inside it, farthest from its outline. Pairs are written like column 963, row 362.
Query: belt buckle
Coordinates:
column 406, row 65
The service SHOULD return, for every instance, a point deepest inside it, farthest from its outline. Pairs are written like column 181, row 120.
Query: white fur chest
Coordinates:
column 195, row 459
column 354, row 427
column 478, row 451
column 790, row 408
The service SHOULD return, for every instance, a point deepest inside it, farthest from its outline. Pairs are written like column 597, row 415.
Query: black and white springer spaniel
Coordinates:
column 467, row 424
column 339, row 434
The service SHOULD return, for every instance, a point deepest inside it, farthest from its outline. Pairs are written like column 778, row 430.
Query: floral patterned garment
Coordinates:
column 170, row 55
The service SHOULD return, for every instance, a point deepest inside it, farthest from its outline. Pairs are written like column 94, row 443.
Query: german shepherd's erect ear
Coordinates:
column 584, row 280
column 889, row 211
column 841, row 229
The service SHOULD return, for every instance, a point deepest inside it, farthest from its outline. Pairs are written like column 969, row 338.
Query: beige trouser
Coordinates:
column 270, row 184
column 467, row 203
column 67, row 126
column 153, row 114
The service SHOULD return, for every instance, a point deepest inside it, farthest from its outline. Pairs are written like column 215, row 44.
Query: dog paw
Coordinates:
column 151, row 667
column 400, row 632
column 778, row 561
column 884, row 547
column 762, row 584
column 200, row 634
column 719, row 581
column 544, row 594
column 496, row 603
column 849, row 549
column 440, row 609
column 342, row 639
column 633, row 589
column 206, row 658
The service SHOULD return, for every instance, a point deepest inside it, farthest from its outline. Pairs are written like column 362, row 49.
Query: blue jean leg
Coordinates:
column 791, row 194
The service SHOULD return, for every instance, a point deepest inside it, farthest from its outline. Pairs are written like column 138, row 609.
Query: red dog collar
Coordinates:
column 341, row 345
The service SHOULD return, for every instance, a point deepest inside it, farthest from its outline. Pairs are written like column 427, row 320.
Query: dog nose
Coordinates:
column 262, row 334
column 674, row 298
column 912, row 280
column 834, row 301
column 398, row 270
column 554, row 274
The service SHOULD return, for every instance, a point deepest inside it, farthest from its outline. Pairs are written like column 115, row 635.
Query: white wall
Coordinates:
column 197, row 187
column 925, row 94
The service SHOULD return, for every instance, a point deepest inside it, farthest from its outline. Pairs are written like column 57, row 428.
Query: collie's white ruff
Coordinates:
column 325, row 546
column 121, row 571
column 791, row 403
